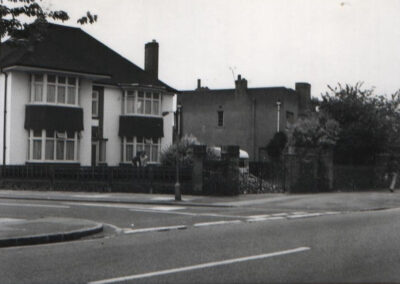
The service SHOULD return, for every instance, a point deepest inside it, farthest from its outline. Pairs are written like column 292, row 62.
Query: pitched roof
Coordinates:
column 71, row 49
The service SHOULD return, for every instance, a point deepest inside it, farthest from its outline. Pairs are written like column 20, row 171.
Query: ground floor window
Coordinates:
column 53, row 146
column 131, row 146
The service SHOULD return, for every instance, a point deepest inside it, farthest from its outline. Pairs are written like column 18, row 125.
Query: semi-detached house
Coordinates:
column 69, row 99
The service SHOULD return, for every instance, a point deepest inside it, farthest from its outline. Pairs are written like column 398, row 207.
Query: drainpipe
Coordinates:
column 253, row 127
column 5, row 117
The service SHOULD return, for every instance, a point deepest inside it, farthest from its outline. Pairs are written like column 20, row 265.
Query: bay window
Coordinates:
column 53, row 146
column 142, row 103
column 54, row 89
column 133, row 145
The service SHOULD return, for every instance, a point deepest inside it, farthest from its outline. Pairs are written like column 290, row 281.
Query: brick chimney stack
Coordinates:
column 151, row 58
column 241, row 85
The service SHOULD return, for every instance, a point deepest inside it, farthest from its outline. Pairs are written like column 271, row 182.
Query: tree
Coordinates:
column 316, row 131
column 276, row 145
column 181, row 150
column 370, row 124
column 24, row 21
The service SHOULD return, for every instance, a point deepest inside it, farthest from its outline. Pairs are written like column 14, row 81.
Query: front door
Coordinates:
column 95, row 154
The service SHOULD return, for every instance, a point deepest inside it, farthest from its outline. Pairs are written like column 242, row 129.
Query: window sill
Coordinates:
column 143, row 115
column 51, row 162
column 53, row 104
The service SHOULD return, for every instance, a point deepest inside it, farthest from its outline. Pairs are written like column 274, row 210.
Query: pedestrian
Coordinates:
column 143, row 159
column 136, row 160
column 392, row 172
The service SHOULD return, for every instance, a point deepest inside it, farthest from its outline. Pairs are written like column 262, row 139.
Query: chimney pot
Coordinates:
column 198, row 83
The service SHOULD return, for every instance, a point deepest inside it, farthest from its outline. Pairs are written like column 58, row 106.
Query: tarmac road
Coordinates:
column 214, row 245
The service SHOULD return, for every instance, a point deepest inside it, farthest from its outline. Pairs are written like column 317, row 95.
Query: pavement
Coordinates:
column 17, row 232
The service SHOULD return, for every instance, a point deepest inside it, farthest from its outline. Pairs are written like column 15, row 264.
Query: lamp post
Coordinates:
column 177, row 136
column 178, row 195
column 278, row 105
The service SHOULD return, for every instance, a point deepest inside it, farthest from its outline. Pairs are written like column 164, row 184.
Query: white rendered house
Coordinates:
column 69, row 99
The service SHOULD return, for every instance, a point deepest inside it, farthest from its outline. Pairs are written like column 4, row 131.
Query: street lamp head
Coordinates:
column 278, row 102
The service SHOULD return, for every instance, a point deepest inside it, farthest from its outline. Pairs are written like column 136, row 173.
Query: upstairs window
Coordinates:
column 54, row 89
column 220, row 118
column 95, row 103
column 142, row 103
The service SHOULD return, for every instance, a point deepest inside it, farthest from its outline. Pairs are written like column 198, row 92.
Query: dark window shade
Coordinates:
column 57, row 118
column 130, row 126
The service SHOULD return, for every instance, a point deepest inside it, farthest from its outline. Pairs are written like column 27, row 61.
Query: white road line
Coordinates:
column 162, row 212
column 145, row 208
column 188, row 213
column 304, row 215
column 331, row 213
column 167, row 208
column 11, row 220
column 200, row 266
column 279, row 214
column 34, row 205
column 265, row 219
column 217, row 223
column 259, row 216
column 154, row 229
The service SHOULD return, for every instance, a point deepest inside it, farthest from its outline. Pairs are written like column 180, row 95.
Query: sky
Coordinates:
column 269, row 42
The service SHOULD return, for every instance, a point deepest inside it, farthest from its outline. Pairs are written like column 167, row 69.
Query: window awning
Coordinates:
column 56, row 118
column 130, row 126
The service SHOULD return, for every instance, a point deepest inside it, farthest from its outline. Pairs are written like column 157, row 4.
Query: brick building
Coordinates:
column 248, row 117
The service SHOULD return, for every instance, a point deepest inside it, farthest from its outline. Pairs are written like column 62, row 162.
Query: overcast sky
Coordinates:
column 269, row 42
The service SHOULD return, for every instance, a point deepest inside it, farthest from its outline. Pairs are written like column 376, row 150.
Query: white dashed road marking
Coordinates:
column 304, row 215
column 265, row 219
column 34, row 205
column 166, row 208
column 11, row 220
column 217, row 223
column 154, row 229
column 201, row 266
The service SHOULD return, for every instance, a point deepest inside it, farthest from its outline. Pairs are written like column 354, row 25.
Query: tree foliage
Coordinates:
column 276, row 145
column 315, row 130
column 181, row 150
column 369, row 123
column 24, row 20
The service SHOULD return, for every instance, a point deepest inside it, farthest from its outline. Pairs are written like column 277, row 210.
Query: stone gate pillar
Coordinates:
column 199, row 155
column 230, row 154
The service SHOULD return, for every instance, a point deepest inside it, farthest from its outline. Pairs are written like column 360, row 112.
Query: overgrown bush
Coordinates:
column 276, row 145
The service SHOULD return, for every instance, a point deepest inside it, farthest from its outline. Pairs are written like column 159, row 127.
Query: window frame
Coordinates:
column 142, row 145
column 43, row 138
column 57, row 85
column 97, row 101
column 140, row 103
column 220, row 118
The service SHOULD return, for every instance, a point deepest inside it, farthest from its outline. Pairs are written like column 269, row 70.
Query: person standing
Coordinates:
column 392, row 171
column 143, row 159
column 136, row 160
